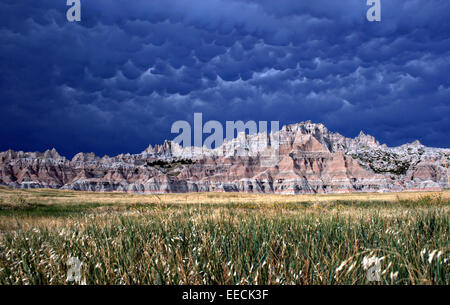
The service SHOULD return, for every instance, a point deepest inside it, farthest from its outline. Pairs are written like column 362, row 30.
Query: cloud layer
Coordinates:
column 116, row 81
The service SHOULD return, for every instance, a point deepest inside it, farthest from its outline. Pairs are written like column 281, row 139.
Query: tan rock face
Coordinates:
column 309, row 159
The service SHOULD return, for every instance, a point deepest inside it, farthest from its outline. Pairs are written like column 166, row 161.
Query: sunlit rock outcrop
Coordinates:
column 300, row 158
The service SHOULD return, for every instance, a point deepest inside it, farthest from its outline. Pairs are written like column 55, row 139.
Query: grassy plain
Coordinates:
column 224, row 238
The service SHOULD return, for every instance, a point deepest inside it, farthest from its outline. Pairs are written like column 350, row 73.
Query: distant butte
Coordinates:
column 311, row 160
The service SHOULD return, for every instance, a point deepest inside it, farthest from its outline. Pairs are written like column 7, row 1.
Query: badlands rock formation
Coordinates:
column 300, row 158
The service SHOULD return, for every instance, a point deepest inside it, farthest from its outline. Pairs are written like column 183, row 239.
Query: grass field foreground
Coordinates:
column 215, row 238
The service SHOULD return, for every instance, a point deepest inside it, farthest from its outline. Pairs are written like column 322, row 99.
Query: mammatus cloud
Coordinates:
column 118, row 79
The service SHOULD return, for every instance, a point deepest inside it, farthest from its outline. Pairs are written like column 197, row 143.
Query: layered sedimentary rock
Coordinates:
column 300, row 158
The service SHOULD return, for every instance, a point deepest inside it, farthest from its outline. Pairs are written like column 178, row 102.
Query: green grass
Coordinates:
column 206, row 244
column 213, row 238
column 54, row 210
column 30, row 209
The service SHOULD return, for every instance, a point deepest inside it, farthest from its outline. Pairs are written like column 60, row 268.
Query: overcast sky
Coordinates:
column 117, row 80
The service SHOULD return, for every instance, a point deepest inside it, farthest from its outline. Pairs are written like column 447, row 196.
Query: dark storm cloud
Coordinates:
column 117, row 80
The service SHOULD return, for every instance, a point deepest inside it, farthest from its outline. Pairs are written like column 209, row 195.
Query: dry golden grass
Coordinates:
column 48, row 197
column 222, row 238
column 104, row 205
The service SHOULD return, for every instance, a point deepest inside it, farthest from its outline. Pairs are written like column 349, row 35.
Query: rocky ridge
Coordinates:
column 300, row 158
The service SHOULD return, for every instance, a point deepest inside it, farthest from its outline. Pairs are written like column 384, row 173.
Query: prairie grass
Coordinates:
column 223, row 238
